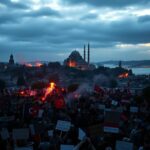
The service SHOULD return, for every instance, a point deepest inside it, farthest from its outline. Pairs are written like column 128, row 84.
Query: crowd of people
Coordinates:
column 104, row 119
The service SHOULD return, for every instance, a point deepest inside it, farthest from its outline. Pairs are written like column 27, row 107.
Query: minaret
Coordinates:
column 120, row 64
column 88, row 53
column 84, row 53
column 11, row 60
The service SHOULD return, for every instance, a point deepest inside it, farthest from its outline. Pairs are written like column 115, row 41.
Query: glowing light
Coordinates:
column 38, row 64
column 22, row 93
column 145, row 44
column 28, row 65
column 32, row 93
column 72, row 63
column 123, row 75
column 125, row 45
column 49, row 90
column 133, row 45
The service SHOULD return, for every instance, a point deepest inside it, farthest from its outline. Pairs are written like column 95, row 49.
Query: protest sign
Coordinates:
column 82, row 134
column 122, row 145
column 111, row 129
column 115, row 103
column 20, row 134
column 50, row 132
column 66, row 147
column 63, row 125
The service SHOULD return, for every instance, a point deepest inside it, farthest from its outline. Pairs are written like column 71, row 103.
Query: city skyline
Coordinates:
column 51, row 29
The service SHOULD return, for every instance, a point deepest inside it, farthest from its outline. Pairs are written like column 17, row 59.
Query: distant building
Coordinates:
column 120, row 64
column 75, row 60
column 11, row 60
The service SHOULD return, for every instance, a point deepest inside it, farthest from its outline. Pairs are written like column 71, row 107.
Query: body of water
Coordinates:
column 136, row 71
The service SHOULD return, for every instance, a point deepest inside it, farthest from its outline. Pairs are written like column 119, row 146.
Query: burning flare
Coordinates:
column 38, row 64
column 28, row 65
column 123, row 75
column 72, row 63
column 49, row 90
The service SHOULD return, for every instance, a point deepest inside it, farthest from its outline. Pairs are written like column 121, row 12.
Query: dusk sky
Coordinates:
column 50, row 29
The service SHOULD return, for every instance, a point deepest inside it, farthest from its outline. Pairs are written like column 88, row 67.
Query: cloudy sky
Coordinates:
column 50, row 29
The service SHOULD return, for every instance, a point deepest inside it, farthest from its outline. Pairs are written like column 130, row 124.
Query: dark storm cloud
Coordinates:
column 58, row 32
column 108, row 3
column 89, row 16
column 14, row 17
column 46, row 29
column 45, row 11
column 7, row 18
column 145, row 18
column 16, row 5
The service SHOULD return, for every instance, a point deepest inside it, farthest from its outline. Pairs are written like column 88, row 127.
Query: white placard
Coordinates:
column 4, row 134
column 121, row 145
column 63, row 125
column 115, row 103
column 50, row 132
column 20, row 134
column 111, row 129
column 82, row 134
column 66, row 147
column 134, row 109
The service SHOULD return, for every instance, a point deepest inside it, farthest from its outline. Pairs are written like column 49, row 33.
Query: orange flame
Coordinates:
column 22, row 93
column 28, row 65
column 124, row 75
column 72, row 63
column 49, row 90
column 38, row 64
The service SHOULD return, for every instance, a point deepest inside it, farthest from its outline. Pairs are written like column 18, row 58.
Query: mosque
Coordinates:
column 75, row 60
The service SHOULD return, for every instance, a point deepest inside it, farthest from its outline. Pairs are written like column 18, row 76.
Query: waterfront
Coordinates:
column 136, row 71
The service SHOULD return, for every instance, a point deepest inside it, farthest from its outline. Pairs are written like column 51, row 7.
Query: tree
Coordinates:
column 2, row 84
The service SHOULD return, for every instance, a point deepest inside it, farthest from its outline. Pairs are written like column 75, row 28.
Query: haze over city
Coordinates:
column 50, row 29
